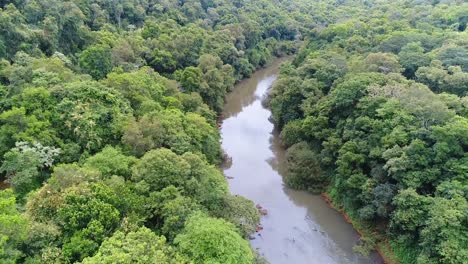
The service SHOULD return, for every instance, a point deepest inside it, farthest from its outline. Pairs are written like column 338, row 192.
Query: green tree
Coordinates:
column 412, row 57
column 160, row 168
column 211, row 240
column 191, row 79
column 383, row 63
column 217, row 80
column 18, row 126
column 304, row 169
column 286, row 100
column 410, row 212
column 207, row 183
column 144, row 89
column 241, row 212
column 91, row 114
column 169, row 211
column 163, row 61
column 453, row 55
column 25, row 166
column 13, row 31
column 22, row 170
column 175, row 130
column 87, row 216
column 443, row 235
column 13, row 228
column 111, row 161
column 140, row 246
column 96, row 61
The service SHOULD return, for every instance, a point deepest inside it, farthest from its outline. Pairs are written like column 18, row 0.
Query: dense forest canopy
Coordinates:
column 108, row 132
column 374, row 111
column 108, row 111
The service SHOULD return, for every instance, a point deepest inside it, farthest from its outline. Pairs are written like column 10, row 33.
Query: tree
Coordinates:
column 410, row 211
column 160, row 168
column 304, row 171
column 412, row 57
column 144, row 89
column 163, row 61
column 207, row 184
column 139, row 246
column 383, row 63
column 22, row 170
column 443, row 235
column 191, row 79
column 425, row 105
column 71, row 37
column 143, row 135
column 286, row 100
column 24, row 166
column 87, row 216
column 37, row 74
column 241, row 212
column 111, row 161
column 96, row 61
column 126, row 53
column 12, row 33
column 43, row 241
column 346, row 94
column 13, row 228
column 452, row 55
column 432, row 75
column 91, row 114
column 217, row 79
column 291, row 133
column 174, row 130
column 193, row 102
column 204, row 137
column 452, row 80
column 169, row 211
column 456, row 82
column 18, row 126
column 326, row 68
column 211, row 240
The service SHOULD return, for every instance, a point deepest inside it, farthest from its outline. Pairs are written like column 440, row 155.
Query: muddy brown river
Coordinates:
column 300, row 227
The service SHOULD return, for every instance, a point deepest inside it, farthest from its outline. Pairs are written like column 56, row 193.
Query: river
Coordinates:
column 299, row 227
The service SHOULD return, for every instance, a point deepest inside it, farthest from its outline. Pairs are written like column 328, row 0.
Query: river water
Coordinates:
column 300, row 227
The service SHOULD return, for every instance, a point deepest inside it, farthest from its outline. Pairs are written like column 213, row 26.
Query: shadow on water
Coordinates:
column 300, row 227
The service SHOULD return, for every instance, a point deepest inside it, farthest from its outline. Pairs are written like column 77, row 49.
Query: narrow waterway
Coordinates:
column 300, row 227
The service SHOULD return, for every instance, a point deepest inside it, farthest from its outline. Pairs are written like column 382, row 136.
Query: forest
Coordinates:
column 374, row 112
column 108, row 132
column 109, row 142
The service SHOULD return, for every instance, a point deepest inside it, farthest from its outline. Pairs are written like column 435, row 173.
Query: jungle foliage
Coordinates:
column 108, row 112
column 374, row 111
column 108, row 135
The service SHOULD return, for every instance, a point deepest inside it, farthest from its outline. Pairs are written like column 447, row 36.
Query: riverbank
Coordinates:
column 383, row 248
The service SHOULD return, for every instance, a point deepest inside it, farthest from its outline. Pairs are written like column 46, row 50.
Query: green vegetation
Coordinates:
column 373, row 110
column 140, row 246
column 108, row 135
column 209, row 240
